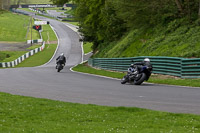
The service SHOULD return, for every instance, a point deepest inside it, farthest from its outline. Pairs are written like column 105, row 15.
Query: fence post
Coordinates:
column 181, row 68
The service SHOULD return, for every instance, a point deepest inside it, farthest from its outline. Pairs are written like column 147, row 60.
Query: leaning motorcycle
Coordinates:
column 137, row 77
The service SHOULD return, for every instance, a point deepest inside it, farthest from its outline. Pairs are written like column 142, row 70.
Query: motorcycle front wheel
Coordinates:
column 124, row 80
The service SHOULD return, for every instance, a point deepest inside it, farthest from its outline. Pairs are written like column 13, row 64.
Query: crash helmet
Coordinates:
column 146, row 60
column 61, row 54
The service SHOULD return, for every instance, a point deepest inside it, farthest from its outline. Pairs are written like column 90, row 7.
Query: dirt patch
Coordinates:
column 13, row 46
column 160, row 76
column 52, row 42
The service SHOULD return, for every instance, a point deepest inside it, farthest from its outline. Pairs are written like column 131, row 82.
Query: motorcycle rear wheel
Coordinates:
column 140, row 80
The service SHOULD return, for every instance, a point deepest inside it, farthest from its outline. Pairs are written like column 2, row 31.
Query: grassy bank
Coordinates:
column 6, row 56
column 13, row 27
column 48, row 34
column 39, row 58
column 26, row 114
column 176, row 39
column 159, row 79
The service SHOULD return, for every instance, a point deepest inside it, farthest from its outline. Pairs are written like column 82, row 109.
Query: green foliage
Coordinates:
column 160, row 27
column 175, row 39
column 87, row 47
column 59, row 2
column 3, row 56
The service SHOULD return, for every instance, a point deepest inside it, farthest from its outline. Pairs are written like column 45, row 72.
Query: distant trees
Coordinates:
column 59, row 2
column 104, row 21
column 4, row 4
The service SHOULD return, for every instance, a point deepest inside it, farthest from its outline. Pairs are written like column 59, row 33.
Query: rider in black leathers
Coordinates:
column 61, row 59
column 146, row 63
column 139, row 65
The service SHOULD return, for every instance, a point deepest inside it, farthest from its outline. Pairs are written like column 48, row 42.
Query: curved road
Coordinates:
column 45, row 82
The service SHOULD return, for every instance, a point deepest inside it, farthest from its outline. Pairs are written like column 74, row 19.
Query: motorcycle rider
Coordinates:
column 138, row 65
column 61, row 59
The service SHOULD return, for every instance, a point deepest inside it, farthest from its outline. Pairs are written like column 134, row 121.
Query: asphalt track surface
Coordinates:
column 68, row 86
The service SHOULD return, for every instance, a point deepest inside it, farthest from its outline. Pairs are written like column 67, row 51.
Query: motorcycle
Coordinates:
column 59, row 66
column 137, row 77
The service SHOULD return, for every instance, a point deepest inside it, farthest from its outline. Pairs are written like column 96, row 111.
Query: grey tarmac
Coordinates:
column 68, row 86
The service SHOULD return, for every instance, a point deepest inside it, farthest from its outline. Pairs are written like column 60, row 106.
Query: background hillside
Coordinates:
column 126, row 28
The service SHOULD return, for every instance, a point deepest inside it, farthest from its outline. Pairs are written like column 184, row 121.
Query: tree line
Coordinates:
column 5, row 4
column 105, row 21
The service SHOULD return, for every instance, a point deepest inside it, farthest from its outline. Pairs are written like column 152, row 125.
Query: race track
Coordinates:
column 45, row 82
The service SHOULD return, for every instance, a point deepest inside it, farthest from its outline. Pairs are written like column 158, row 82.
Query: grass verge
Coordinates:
column 26, row 114
column 7, row 56
column 13, row 27
column 48, row 33
column 159, row 79
column 40, row 58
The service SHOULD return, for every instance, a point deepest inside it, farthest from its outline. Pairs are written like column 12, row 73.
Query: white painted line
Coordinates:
column 92, row 74
column 88, row 53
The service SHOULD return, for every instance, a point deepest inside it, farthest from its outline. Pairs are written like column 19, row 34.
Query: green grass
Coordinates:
column 7, row 56
column 159, row 79
column 26, row 9
column 48, row 33
column 26, row 114
column 74, row 23
column 87, row 47
column 13, row 27
column 39, row 58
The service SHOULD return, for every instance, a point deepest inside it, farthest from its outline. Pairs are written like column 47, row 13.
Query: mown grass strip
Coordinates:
column 13, row 27
column 39, row 58
column 159, row 79
column 48, row 34
column 26, row 114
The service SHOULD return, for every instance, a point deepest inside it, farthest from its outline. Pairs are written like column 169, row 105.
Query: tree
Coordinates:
column 199, row 9
column 4, row 4
column 179, row 6
column 59, row 2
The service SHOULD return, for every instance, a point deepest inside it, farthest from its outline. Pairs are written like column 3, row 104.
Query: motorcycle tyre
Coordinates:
column 59, row 67
column 124, row 80
column 58, row 70
column 141, row 80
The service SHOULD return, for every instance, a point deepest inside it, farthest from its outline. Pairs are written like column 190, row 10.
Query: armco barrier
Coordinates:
column 175, row 66
column 23, row 57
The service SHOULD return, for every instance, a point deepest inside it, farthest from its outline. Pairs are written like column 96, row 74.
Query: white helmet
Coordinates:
column 61, row 54
column 147, row 60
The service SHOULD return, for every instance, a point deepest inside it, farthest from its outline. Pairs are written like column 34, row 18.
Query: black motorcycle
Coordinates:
column 59, row 66
column 137, row 75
